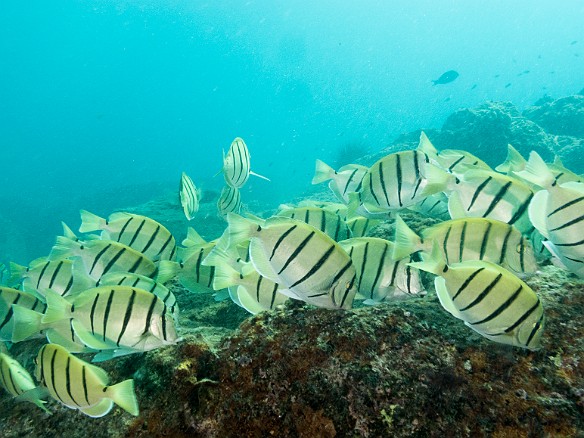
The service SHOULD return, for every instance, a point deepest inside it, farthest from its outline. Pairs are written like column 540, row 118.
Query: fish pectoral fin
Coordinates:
column 444, row 297
column 100, row 409
column 88, row 338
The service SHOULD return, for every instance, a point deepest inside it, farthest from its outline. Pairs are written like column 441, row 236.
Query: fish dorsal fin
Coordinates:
column 193, row 238
column 513, row 163
column 426, row 146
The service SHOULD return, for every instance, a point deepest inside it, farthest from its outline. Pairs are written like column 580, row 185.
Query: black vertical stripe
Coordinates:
column 132, row 269
column 68, row 380
column 347, row 290
column 322, row 221
column 316, row 267
column 337, row 229
column 8, row 316
column 497, row 198
column 445, row 243
column 198, row 265
column 84, row 381
column 274, row 294
column 462, row 239
column 568, row 224
column 166, row 243
column 258, row 287
column 504, row 245
column 466, row 282
column 151, row 240
column 297, row 251
column 372, row 189
column 363, row 266
column 137, row 232
column 484, row 293
column 380, row 267
column 349, row 180
column 398, row 172
column 521, row 210
column 123, row 230
column 108, row 307
column 98, row 256
column 382, row 183
column 92, row 313
column 485, row 241
column 149, row 315
column 69, row 286
column 42, row 274
column 566, row 205
column 280, row 239
column 127, row 316
column 508, row 302
column 53, row 375
column 163, row 323
column 453, row 165
column 536, row 328
column 112, row 261
column 522, row 317
column 478, row 190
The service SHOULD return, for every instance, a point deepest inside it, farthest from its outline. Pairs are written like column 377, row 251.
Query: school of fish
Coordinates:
column 103, row 292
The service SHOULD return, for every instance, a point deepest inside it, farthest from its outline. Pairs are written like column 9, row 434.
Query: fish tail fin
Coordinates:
column 259, row 176
column 17, row 273
column 91, row 222
column 193, row 238
column 433, row 263
column 58, row 308
column 27, row 323
column 167, row 269
column 124, row 396
column 536, row 171
column 322, row 172
column 406, row 241
column 438, row 180
column 225, row 276
column 513, row 163
column 240, row 228
column 64, row 247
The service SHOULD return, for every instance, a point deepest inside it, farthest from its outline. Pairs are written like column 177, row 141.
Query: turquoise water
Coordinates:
column 103, row 104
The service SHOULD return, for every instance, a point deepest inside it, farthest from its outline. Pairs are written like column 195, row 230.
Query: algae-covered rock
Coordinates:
column 564, row 116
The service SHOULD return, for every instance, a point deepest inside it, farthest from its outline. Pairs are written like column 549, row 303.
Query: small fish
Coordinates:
column 399, row 180
column 80, row 385
column 236, row 164
column 488, row 194
column 189, row 196
column 450, row 160
column 141, row 233
column 229, row 201
column 574, row 42
column 57, row 275
column 8, row 299
column 489, row 299
column 99, row 257
column 326, row 221
column 121, row 319
column 18, row 382
column 193, row 275
column 468, row 239
column 360, row 226
column 379, row 276
column 297, row 256
column 446, row 77
column 248, row 289
column 474, row 86
column 508, row 85
column 557, row 212
column 343, row 181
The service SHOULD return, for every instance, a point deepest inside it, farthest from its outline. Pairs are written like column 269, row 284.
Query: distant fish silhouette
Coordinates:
column 508, row 85
column 573, row 42
column 474, row 86
column 446, row 77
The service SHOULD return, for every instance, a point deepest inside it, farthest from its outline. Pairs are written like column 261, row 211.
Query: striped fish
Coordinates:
column 489, row 299
column 236, row 164
column 343, row 181
column 10, row 297
column 359, row 226
column 80, row 385
column 17, row 381
column 56, row 275
column 461, row 240
column 379, row 276
column 119, row 318
column 100, row 257
column 557, row 212
column 141, row 282
column 400, row 180
column 141, row 233
column 229, row 201
column 326, row 221
column 435, row 206
column 451, row 160
column 247, row 287
column 189, row 196
column 302, row 259
column 334, row 207
column 482, row 193
column 193, row 275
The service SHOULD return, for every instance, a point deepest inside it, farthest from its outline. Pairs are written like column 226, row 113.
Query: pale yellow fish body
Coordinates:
column 189, row 196
column 80, row 385
column 10, row 297
column 324, row 220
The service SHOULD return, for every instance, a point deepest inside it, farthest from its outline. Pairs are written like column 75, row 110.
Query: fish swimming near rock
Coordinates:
column 80, row 385
column 229, row 201
column 324, row 220
column 9, row 298
column 236, row 164
column 557, row 212
column 488, row 298
column 446, row 77
column 189, row 196
column 18, row 382
column 343, row 181
column 302, row 259
column 140, row 233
